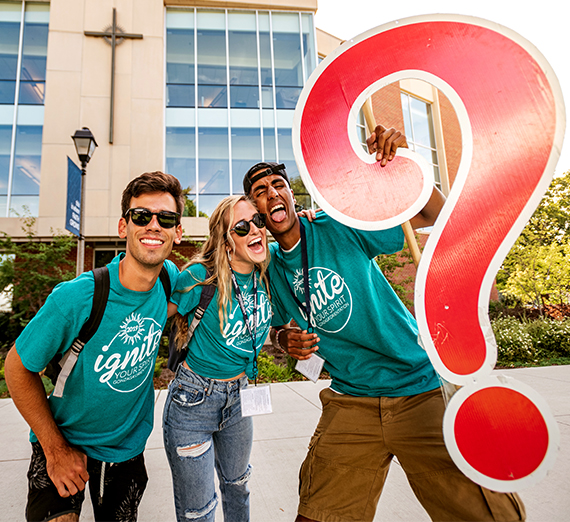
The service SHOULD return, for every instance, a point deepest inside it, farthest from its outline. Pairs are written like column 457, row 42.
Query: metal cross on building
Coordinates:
column 114, row 35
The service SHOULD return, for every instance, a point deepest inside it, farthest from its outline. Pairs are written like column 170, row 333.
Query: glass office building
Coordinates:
column 233, row 79
column 23, row 52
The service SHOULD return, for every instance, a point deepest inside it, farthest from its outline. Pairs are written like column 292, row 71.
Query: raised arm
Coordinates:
column 66, row 466
column 428, row 215
column 384, row 142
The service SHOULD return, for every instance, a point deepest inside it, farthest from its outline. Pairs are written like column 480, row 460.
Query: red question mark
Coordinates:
column 511, row 115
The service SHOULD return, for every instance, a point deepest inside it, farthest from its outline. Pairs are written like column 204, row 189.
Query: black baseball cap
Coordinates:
column 262, row 169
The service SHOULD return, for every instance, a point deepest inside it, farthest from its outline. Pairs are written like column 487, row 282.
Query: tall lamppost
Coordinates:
column 85, row 146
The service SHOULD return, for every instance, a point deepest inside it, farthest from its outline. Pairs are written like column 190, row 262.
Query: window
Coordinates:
column 361, row 130
column 23, row 52
column 103, row 256
column 233, row 78
column 418, row 124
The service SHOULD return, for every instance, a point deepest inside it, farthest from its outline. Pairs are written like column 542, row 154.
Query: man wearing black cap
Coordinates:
column 384, row 399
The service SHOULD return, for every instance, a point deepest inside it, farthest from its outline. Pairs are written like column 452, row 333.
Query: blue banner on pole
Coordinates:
column 73, row 214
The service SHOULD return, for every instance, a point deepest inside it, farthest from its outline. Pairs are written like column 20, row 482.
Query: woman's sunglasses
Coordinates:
column 243, row 227
column 143, row 216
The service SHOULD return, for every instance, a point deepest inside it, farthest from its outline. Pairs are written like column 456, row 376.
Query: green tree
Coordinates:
column 302, row 196
column 551, row 220
column 537, row 268
column 190, row 206
column 30, row 269
column 540, row 275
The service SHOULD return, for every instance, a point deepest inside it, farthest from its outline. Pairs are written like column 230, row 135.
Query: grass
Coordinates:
column 547, row 361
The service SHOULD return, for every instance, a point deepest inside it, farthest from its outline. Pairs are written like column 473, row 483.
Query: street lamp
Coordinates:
column 85, row 146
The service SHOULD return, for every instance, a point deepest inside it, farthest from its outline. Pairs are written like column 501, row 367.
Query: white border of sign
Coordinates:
column 500, row 381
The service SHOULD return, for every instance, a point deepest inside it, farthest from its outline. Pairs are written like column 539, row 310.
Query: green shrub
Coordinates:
column 159, row 365
column 268, row 371
column 513, row 342
column 550, row 337
column 48, row 385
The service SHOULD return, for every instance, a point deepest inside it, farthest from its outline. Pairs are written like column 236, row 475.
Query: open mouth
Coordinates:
column 256, row 245
column 278, row 213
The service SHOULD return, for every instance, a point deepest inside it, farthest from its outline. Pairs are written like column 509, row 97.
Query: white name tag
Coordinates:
column 256, row 400
column 311, row 368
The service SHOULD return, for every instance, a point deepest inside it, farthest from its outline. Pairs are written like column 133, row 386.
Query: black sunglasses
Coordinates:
column 243, row 227
column 141, row 217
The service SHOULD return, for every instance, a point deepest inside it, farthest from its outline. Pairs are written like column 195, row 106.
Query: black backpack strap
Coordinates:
column 177, row 356
column 206, row 296
column 165, row 280
column 100, row 297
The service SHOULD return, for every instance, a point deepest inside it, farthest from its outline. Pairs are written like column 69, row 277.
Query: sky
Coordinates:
column 545, row 24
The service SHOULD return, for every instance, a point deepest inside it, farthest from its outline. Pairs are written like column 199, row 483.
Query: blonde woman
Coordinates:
column 203, row 424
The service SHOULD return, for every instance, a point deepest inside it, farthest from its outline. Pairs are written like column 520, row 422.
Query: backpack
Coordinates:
column 175, row 356
column 60, row 367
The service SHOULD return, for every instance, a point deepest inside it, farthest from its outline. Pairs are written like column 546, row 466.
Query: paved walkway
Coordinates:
column 280, row 443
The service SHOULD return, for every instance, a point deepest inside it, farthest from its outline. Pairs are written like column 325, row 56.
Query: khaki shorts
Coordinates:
column 350, row 452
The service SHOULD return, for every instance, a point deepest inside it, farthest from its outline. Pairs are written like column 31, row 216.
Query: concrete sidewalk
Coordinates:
column 280, row 444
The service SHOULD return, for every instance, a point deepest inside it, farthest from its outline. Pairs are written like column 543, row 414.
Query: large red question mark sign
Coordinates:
column 511, row 115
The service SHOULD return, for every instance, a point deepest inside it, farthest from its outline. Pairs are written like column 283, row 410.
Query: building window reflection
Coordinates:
column 23, row 52
column 420, row 133
column 233, row 78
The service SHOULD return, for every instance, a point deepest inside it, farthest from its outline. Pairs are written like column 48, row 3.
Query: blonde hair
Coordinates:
column 213, row 255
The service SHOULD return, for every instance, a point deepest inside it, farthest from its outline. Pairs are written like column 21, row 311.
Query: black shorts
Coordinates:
column 118, row 498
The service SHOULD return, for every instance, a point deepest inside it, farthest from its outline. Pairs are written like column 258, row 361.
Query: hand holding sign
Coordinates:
column 511, row 115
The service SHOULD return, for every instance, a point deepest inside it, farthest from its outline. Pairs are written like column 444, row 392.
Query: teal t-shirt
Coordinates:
column 212, row 354
column 369, row 340
column 108, row 402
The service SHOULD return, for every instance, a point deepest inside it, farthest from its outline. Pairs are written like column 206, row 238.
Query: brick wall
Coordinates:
column 451, row 136
column 387, row 108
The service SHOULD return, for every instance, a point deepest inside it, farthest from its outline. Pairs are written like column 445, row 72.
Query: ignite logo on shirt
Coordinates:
column 127, row 360
column 236, row 331
column 331, row 300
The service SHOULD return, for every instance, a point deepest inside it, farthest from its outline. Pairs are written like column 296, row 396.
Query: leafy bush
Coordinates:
column 513, row 342
column 48, row 385
column 389, row 265
column 268, row 371
column 159, row 365
column 29, row 270
column 550, row 337
column 526, row 341
column 9, row 331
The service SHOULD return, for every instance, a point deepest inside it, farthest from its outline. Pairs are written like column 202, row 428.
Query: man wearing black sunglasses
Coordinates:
column 384, row 399
column 97, row 429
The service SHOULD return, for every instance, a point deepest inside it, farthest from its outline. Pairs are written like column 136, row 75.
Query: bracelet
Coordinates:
column 274, row 335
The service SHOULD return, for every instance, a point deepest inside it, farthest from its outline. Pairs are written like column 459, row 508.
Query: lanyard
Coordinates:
column 252, row 332
column 305, row 261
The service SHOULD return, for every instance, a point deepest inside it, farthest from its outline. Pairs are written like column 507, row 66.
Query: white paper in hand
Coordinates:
column 311, row 368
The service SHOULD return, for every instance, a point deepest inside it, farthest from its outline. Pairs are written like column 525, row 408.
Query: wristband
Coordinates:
column 274, row 336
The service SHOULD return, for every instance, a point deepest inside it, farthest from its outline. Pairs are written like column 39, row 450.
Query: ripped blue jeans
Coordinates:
column 203, row 428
